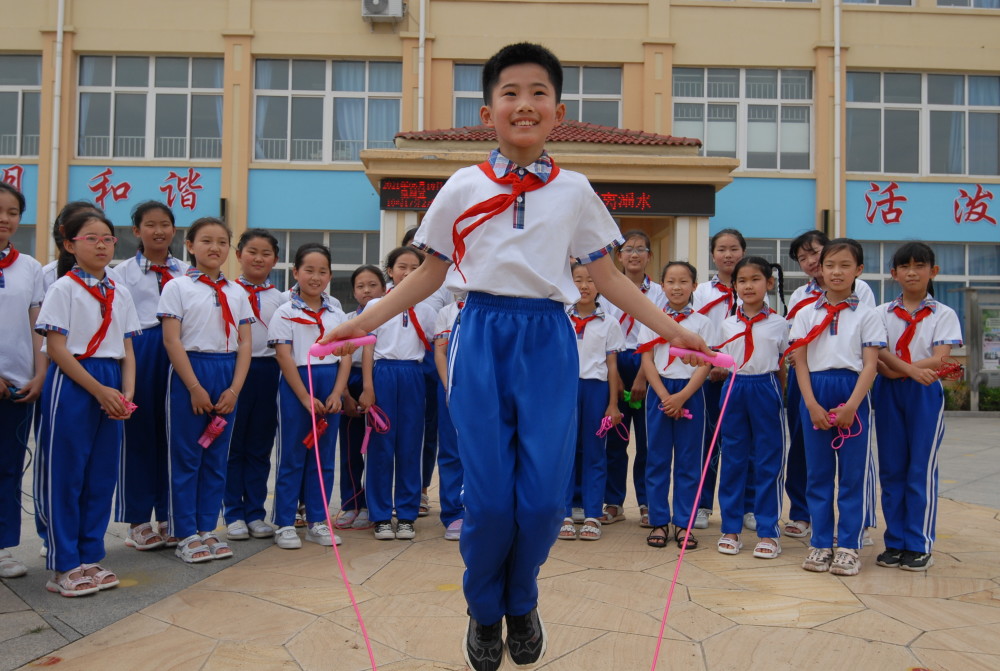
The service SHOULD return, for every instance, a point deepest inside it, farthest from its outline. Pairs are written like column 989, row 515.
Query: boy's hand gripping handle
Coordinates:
column 327, row 348
column 720, row 359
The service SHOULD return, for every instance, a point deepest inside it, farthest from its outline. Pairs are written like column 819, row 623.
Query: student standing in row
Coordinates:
column 449, row 463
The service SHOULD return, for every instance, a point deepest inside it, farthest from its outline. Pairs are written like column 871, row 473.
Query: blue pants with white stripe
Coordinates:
column 143, row 476
column 850, row 468
column 680, row 441
column 428, row 457
column 590, row 458
column 392, row 471
column 253, row 437
column 511, row 362
column 910, row 422
column 297, row 475
column 352, row 462
column 15, row 418
column 450, row 474
column 197, row 474
column 76, row 465
column 752, row 453
column 617, row 449
column 795, row 470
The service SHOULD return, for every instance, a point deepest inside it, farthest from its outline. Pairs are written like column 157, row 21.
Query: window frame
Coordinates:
column 581, row 97
column 20, row 90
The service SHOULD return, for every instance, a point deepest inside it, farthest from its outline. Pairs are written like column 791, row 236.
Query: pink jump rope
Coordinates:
column 380, row 424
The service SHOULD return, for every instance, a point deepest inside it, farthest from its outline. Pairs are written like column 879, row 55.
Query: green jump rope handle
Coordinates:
column 635, row 405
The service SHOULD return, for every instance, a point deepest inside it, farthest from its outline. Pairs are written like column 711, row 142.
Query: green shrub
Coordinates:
column 989, row 398
column 956, row 396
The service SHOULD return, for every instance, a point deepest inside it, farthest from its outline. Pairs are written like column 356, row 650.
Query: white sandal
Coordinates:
column 567, row 532
column 730, row 546
column 802, row 529
column 187, row 553
column 592, row 526
column 219, row 549
column 142, row 538
column 100, row 576
column 767, row 549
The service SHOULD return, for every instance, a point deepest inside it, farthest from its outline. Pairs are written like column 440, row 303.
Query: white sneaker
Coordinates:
column 237, row 531
column 362, row 521
column 320, row 533
column 866, row 539
column 260, row 529
column 10, row 567
column 287, row 539
column 701, row 518
column 578, row 515
column 750, row 522
column 454, row 531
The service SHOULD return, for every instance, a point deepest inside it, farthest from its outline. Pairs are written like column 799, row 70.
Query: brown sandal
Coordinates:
column 654, row 540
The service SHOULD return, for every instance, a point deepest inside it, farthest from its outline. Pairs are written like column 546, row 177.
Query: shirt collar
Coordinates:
column 927, row 302
column 6, row 250
column 598, row 312
column 194, row 274
column 297, row 301
column 688, row 310
column 145, row 264
column 247, row 283
column 646, row 284
column 812, row 286
column 719, row 284
column 766, row 310
column 852, row 301
column 92, row 281
column 502, row 166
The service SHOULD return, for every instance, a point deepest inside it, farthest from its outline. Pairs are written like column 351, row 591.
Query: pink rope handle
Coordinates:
column 607, row 424
column 694, row 511
column 375, row 419
column 685, row 413
column 329, row 522
column 842, row 434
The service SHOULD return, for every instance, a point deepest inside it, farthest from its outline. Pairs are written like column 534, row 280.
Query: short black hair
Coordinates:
column 809, row 238
column 516, row 54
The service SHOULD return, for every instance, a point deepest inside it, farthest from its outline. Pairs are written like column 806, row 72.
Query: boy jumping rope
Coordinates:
column 504, row 231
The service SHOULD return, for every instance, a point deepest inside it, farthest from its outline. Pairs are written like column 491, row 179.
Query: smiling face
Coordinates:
column 257, row 259
column 808, row 259
column 585, row 283
column 726, row 254
column 634, row 256
column 10, row 217
column 840, row 269
column 366, row 287
column 678, row 285
column 523, row 110
column 403, row 266
column 210, row 247
column 752, row 287
column 312, row 275
column 156, row 231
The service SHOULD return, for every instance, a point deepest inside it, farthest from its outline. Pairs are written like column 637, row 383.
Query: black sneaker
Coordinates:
column 916, row 561
column 525, row 638
column 404, row 530
column 383, row 530
column 483, row 646
column 890, row 558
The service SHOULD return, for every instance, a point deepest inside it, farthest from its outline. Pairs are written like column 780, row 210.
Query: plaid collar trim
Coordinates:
column 598, row 312
column 766, row 310
column 266, row 285
column 6, row 250
column 502, row 166
column 852, row 302
column 715, row 281
column 92, row 281
column 927, row 302
column 812, row 287
column 144, row 263
column 688, row 310
column 194, row 274
column 646, row 284
column 297, row 300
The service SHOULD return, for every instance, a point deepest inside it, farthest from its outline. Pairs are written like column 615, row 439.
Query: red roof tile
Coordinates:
column 567, row 131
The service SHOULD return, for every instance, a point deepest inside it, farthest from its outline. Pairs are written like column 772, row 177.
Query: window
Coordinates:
column 467, row 86
column 20, row 94
column 144, row 107
column 593, row 94
column 904, row 3
column 930, row 124
column 325, row 111
column 976, row 4
column 348, row 249
column 763, row 117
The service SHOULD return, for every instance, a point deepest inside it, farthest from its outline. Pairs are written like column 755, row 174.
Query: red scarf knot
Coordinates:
column 220, row 297
column 106, row 299
column 815, row 331
column 903, row 344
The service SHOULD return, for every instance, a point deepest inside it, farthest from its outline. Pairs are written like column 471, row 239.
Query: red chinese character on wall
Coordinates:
column 185, row 188
column 104, row 188
column 974, row 208
column 891, row 214
column 14, row 175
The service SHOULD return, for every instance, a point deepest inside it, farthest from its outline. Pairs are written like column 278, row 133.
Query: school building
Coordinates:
column 877, row 119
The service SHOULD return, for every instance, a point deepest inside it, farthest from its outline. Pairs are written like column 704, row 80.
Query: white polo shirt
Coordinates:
column 446, row 319
column 22, row 290
column 840, row 345
column 677, row 369
column 287, row 296
column 71, row 310
column 629, row 326
column 705, row 293
column 194, row 304
column 600, row 337
column 398, row 339
column 144, row 284
column 770, row 340
column 941, row 327
column 283, row 330
column 861, row 290
column 49, row 275
column 265, row 302
column 523, row 256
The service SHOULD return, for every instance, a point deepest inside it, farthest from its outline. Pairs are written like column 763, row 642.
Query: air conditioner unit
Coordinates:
column 383, row 10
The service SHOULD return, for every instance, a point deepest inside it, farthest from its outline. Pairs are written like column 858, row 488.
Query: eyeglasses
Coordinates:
column 627, row 251
column 108, row 240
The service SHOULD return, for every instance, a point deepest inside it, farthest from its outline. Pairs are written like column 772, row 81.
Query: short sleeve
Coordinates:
column 38, row 286
column 434, row 234
column 864, row 293
column 708, row 331
column 800, row 325
column 243, row 314
column 55, row 312
column 615, row 340
column 596, row 233
column 442, row 325
column 171, row 302
column 646, row 334
column 947, row 329
column 873, row 331
column 130, row 318
column 279, row 331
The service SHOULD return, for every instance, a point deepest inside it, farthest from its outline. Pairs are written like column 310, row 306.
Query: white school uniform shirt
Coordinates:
column 770, row 340
column 398, row 339
column 287, row 296
column 811, row 288
column 677, row 369
column 144, row 284
column 193, row 303
column 50, row 274
column 840, row 345
column 941, row 327
column 20, row 291
column 71, row 310
column 446, row 319
column 283, row 330
column 705, row 293
column 523, row 251
column 629, row 326
column 266, row 302
column 600, row 337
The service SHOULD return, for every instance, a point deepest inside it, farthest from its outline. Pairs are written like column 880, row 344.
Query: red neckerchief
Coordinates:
column 644, row 287
column 808, row 300
column 220, row 296
column 493, row 206
column 411, row 314
column 105, row 299
column 647, row 347
column 254, row 297
column 747, row 332
column 727, row 296
column 163, row 275
column 831, row 311
column 903, row 344
column 317, row 320
column 8, row 261
column 580, row 323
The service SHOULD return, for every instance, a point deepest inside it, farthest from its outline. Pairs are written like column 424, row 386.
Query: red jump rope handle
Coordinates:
column 720, row 359
column 327, row 348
